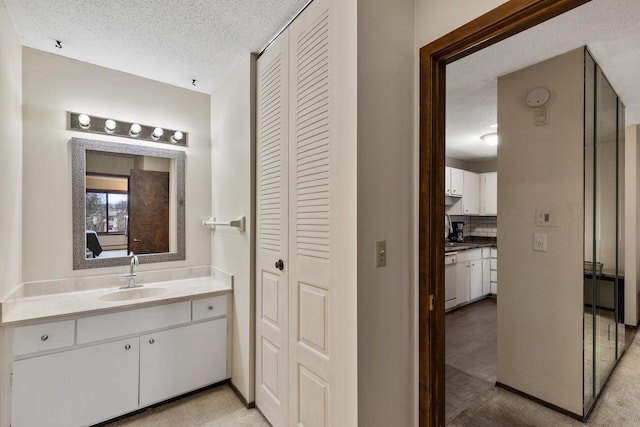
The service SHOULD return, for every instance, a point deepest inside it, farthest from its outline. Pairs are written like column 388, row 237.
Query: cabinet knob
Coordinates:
column 44, row 337
column 127, row 347
column 151, row 341
column 280, row 265
column 210, row 307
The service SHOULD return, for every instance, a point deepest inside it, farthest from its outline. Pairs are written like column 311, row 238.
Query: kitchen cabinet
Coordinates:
column 471, row 198
column 489, row 193
column 83, row 371
column 469, row 276
column 475, row 279
column 76, row 387
column 494, row 271
column 486, row 271
column 453, row 181
column 164, row 351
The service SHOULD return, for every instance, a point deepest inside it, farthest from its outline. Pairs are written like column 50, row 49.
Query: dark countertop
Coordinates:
column 472, row 244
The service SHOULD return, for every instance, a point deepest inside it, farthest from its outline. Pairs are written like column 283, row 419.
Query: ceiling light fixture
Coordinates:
column 490, row 138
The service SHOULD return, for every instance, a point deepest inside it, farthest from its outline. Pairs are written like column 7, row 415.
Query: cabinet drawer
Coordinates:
column 46, row 336
column 209, row 307
column 494, row 253
column 106, row 326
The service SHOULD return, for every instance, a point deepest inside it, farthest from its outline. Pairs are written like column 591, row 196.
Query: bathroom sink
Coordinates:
column 131, row 294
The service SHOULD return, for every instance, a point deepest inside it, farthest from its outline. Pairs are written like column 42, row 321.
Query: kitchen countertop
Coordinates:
column 463, row 246
column 33, row 309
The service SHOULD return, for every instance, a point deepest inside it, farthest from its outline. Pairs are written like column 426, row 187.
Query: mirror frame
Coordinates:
column 79, row 147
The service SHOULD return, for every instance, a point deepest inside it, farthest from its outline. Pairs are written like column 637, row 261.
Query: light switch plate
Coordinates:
column 546, row 218
column 381, row 253
column 540, row 242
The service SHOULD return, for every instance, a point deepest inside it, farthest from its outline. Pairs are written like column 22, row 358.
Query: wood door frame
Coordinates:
column 498, row 24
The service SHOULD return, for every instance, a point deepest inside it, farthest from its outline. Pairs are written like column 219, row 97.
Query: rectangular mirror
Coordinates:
column 126, row 198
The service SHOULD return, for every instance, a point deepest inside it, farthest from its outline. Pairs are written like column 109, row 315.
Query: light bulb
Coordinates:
column 177, row 136
column 135, row 129
column 84, row 121
column 157, row 133
column 109, row 126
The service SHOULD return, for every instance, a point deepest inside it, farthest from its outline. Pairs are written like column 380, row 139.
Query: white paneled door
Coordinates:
column 309, row 212
column 293, row 224
column 272, row 318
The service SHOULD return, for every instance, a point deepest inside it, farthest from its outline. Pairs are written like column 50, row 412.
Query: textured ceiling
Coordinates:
column 611, row 30
column 165, row 40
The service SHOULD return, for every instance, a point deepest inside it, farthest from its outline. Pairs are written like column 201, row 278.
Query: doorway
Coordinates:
column 500, row 23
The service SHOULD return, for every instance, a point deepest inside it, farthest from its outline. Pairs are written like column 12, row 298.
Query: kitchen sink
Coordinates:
column 132, row 294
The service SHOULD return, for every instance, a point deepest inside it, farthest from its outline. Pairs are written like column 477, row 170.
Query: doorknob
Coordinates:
column 280, row 265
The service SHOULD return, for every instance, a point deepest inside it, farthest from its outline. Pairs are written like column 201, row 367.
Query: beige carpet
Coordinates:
column 217, row 407
column 618, row 406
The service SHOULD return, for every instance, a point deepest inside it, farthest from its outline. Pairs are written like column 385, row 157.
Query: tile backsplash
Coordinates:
column 478, row 226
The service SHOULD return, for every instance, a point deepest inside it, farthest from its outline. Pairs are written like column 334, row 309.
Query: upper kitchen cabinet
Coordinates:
column 489, row 193
column 471, row 200
column 453, row 182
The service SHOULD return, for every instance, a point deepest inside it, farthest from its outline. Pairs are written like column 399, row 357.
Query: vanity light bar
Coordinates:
column 106, row 126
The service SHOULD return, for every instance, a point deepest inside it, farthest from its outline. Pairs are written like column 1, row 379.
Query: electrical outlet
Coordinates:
column 540, row 242
column 381, row 253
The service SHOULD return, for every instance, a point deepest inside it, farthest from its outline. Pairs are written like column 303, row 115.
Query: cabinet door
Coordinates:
column 77, row 387
column 457, row 182
column 475, row 279
column 489, row 193
column 471, row 188
column 168, row 370
column 447, row 180
column 462, row 282
column 486, row 276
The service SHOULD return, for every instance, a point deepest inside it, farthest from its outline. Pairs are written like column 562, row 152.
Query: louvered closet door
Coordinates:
column 310, row 226
column 272, row 318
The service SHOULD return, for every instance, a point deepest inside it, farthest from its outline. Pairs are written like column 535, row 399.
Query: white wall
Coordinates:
column 232, row 161
column 53, row 85
column 10, row 155
column 540, row 309
column 385, row 192
column 632, row 219
column 435, row 18
column 10, row 184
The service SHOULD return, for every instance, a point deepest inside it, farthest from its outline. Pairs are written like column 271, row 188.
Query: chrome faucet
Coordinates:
column 133, row 261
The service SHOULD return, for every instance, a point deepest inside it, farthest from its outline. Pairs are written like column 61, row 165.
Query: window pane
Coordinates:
column 117, row 213
column 96, row 208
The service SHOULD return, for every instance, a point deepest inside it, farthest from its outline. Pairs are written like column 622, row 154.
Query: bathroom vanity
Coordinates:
column 79, row 358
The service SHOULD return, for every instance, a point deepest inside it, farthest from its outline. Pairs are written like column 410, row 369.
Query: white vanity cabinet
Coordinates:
column 76, row 387
column 78, row 372
column 190, row 353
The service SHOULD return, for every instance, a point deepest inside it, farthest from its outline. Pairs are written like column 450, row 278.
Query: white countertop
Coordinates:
column 54, row 306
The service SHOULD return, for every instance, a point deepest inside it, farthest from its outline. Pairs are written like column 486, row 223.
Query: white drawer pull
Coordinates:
column 44, row 337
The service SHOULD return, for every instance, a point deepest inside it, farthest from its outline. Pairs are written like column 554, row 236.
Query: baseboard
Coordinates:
column 248, row 405
column 539, row 401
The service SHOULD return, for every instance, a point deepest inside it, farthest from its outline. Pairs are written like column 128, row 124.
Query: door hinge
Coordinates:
column 432, row 302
